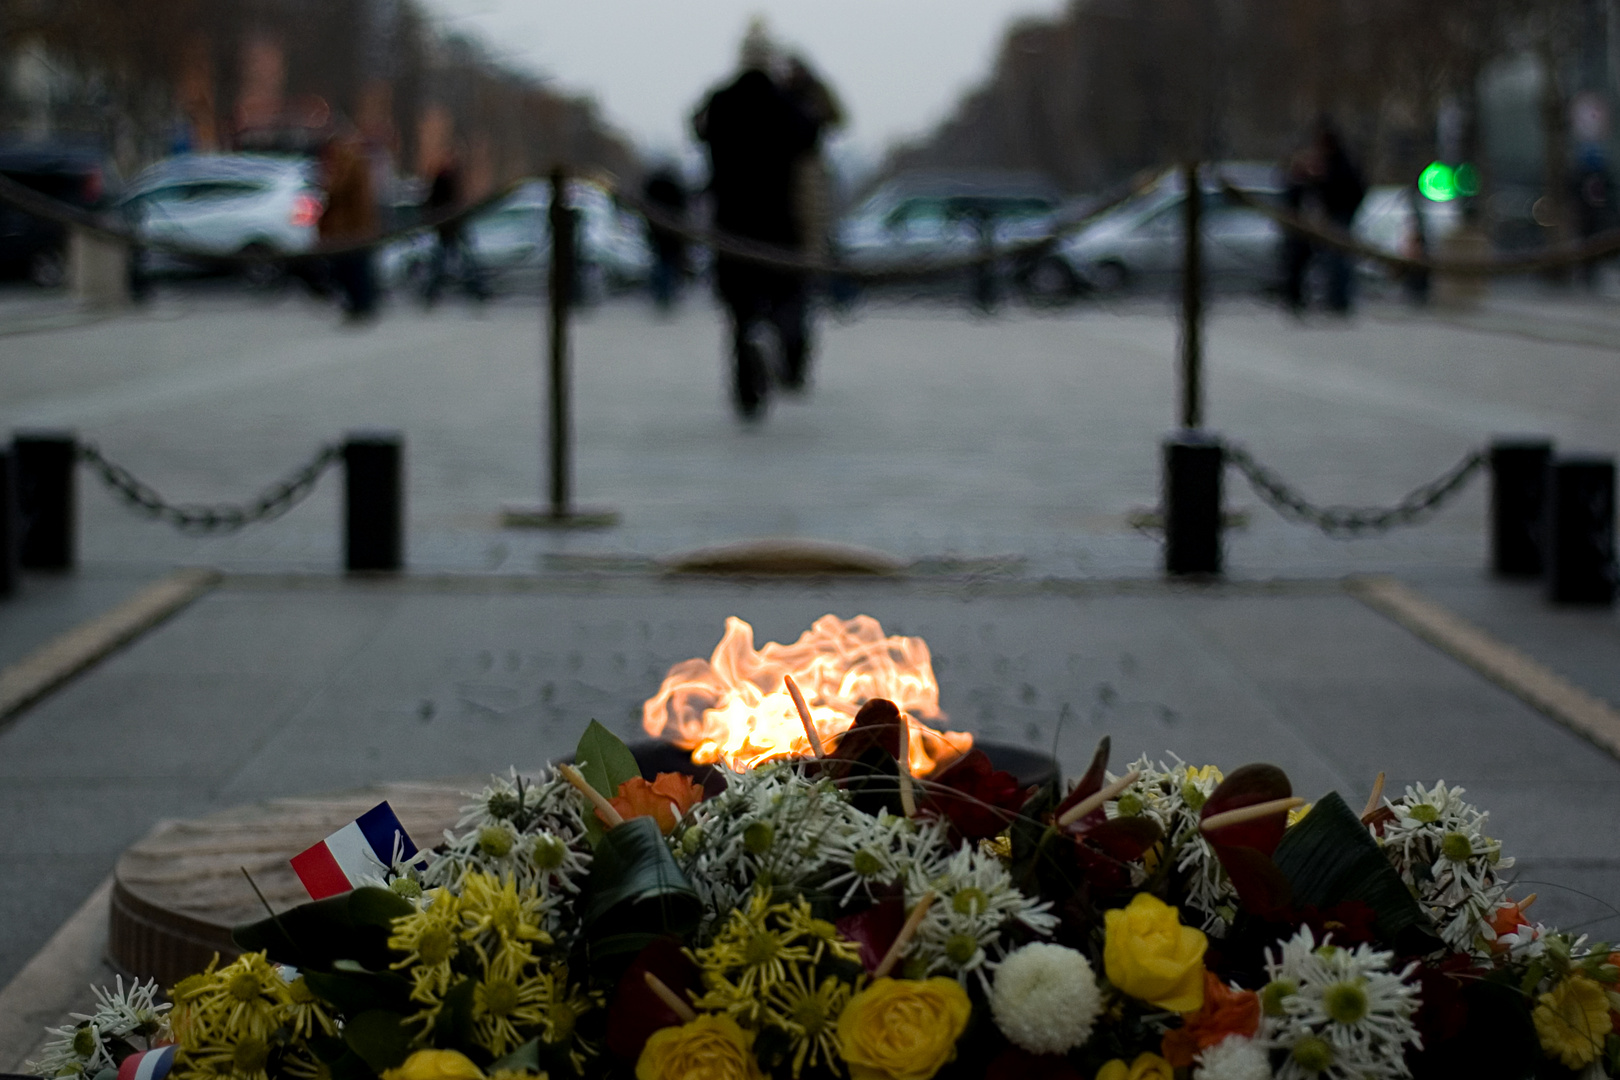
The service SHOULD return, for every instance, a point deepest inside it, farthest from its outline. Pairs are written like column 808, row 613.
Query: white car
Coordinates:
column 1141, row 241
column 511, row 243
column 1388, row 219
column 225, row 204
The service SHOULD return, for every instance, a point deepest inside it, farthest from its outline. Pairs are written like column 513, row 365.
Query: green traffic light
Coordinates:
column 1438, row 182
column 1467, row 180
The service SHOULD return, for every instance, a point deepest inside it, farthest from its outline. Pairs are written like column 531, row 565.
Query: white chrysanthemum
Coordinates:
column 82, row 1048
column 531, row 831
column 1341, row 1014
column 1234, row 1058
column 976, row 903
column 873, row 852
column 1438, row 845
column 1172, row 796
column 1045, row 998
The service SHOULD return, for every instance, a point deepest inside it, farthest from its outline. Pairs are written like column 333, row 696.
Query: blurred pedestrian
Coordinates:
column 452, row 254
column 1592, row 192
column 812, row 195
column 1324, row 187
column 756, row 137
column 665, row 191
column 350, row 216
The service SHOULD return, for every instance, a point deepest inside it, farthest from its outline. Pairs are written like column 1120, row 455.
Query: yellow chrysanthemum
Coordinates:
column 820, row 935
column 305, row 1013
column 430, row 940
column 246, row 999
column 508, row 998
column 498, row 917
column 749, row 956
column 1572, row 1020
column 810, row 1017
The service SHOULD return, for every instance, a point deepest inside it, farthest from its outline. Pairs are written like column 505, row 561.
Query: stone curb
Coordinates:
column 56, row 981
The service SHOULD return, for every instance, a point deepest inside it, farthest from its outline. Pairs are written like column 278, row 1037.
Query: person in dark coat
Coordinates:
column 350, row 216
column 444, row 196
column 756, row 136
column 1339, row 190
column 665, row 191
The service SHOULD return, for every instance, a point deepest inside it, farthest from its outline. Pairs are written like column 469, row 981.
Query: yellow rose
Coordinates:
column 1145, row 1067
column 707, row 1048
column 1572, row 1021
column 1149, row 955
column 902, row 1029
column 435, row 1065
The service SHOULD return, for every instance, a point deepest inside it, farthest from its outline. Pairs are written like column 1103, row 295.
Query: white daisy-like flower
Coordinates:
column 1234, row 1058
column 81, row 1049
column 873, row 852
column 1045, row 998
column 1524, row 942
column 1340, row 1014
column 73, row 1050
column 976, row 903
column 1438, row 845
column 1172, row 796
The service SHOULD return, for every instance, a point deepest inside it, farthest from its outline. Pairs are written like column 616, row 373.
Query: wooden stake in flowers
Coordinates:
column 908, row 799
column 669, row 997
column 1373, row 799
column 604, row 809
column 1245, row 814
column 1091, row 802
column 903, row 938
column 804, row 717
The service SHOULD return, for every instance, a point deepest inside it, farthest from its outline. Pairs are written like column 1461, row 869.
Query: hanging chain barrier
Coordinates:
column 1351, row 521
column 268, row 505
column 1565, row 255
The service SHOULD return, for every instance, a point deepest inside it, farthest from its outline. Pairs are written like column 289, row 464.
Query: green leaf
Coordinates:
column 1329, row 858
column 380, row 1038
column 525, row 1059
column 635, row 886
column 353, row 992
column 605, row 762
column 454, row 1027
column 313, row 936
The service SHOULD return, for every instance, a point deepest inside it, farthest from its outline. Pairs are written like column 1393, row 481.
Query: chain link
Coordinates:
column 1349, row 521
column 270, row 504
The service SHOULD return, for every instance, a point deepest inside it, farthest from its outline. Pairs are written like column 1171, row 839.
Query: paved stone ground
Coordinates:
column 1024, row 440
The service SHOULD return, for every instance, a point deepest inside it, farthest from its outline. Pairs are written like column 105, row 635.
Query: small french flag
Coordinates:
column 148, row 1064
column 362, row 849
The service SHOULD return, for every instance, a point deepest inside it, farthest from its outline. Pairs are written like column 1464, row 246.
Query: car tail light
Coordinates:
column 306, row 211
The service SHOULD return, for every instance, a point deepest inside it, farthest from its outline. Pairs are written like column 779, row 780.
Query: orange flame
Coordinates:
column 734, row 706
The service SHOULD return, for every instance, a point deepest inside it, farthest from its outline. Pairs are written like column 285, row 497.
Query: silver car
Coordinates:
column 225, row 204
column 1140, row 242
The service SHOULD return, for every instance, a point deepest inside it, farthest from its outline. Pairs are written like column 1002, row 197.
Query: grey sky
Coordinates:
column 898, row 64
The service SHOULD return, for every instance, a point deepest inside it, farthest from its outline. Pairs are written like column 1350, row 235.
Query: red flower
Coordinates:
column 977, row 799
column 1225, row 1012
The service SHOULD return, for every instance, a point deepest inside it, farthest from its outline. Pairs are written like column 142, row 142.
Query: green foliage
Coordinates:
column 380, row 1037
column 1329, row 858
column 635, row 886
column 313, row 936
column 605, row 762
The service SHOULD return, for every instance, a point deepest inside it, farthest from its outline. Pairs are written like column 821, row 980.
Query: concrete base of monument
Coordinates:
column 177, row 893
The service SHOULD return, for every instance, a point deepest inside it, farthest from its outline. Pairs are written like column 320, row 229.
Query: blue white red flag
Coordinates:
column 147, row 1065
column 360, row 851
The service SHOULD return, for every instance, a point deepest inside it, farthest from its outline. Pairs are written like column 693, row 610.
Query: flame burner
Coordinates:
column 734, row 707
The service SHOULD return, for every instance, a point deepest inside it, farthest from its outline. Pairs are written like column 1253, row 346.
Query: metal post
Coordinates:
column 1193, row 464
column 1519, row 506
column 374, row 501
column 1580, row 535
column 44, row 464
column 562, row 289
column 1192, row 304
column 9, row 568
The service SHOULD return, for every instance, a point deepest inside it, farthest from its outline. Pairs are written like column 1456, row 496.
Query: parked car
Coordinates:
column 1140, row 242
column 225, row 204
column 32, row 247
column 1387, row 219
column 511, row 244
column 932, row 217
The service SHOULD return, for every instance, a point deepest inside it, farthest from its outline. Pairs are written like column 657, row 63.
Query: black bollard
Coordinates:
column 1580, row 534
column 9, row 569
column 43, row 464
column 1519, row 506
column 374, row 501
column 1193, row 463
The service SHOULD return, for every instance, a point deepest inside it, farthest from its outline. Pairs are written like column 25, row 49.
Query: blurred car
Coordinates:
column 511, row 244
column 1389, row 217
column 225, row 204
column 1139, row 243
column 933, row 217
column 30, row 246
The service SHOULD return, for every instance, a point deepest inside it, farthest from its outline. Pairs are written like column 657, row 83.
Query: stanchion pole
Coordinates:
column 1519, row 506
column 374, row 502
column 10, row 571
column 560, row 513
column 1580, row 535
column 45, row 464
column 1193, row 458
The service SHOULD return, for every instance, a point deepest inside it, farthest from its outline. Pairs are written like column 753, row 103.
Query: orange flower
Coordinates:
column 666, row 800
column 1225, row 1012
